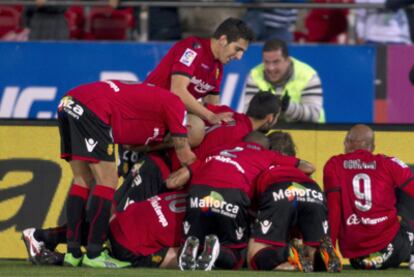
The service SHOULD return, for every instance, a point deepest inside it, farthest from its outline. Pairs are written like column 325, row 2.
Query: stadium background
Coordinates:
column 33, row 77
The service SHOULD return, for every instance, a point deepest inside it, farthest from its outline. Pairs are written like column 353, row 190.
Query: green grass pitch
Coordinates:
column 26, row 269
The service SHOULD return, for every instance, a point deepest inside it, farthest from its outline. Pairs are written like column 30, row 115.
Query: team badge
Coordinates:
column 156, row 259
column 110, row 149
column 188, row 57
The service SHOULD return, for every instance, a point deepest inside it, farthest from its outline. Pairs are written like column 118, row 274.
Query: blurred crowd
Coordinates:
column 394, row 23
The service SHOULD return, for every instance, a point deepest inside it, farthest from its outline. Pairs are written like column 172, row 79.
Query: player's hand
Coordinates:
column 214, row 119
column 179, row 178
column 285, row 101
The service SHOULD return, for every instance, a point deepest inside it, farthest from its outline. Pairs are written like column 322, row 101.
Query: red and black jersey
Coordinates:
column 191, row 57
column 360, row 188
column 237, row 165
column 138, row 114
column 146, row 227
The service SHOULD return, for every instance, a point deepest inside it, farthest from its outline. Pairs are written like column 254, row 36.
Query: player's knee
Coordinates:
column 268, row 258
column 229, row 258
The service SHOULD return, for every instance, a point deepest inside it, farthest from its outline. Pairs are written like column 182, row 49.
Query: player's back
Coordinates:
column 148, row 226
column 367, row 186
column 237, row 165
column 137, row 113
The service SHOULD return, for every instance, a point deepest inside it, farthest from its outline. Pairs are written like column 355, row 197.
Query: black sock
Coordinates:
column 51, row 236
column 98, row 217
column 75, row 211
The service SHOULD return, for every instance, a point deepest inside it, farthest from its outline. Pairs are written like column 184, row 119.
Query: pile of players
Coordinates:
column 210, row 190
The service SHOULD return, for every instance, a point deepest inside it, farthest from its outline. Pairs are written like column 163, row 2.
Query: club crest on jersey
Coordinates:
column 188, row 57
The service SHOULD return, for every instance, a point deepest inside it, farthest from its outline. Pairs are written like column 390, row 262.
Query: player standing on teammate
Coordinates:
column 92, row 118
column 193, row 67
column 362, row 204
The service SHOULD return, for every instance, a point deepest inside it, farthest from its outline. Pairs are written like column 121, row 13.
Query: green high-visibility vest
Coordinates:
column 302, row 73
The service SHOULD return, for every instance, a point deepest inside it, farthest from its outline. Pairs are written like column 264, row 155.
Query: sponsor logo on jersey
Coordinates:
column 90, row 144
column 188, row 57
column 154, row 201
column 215, row 203
column 265, row 226
column 201, row 86
column 297, row 192
column 239, row 233
column 354, row 219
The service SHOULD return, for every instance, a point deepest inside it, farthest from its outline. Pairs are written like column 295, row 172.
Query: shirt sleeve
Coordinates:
column 175, row 116
column 185, row 60
column 402, row 175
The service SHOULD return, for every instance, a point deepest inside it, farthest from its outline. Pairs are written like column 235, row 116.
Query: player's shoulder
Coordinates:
column 194, row 43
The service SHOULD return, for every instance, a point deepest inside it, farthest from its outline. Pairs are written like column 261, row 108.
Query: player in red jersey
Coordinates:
column 288, row 198
column 193, row 67
column 92, row 118
column 219, row 196
column 362, row 204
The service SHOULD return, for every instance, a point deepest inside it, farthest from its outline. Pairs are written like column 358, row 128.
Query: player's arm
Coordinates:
column 212, row 99
column 306, row 167
column 183, row 150
column 402, row 175
column 333, row 197
column 179, row 84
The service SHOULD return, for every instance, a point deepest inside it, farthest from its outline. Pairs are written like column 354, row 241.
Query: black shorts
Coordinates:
column 83, row 136
column 123, row 254
column 126, row 160
column 143, row 181
column 219, row 211
column 285, row 205
column 393, row 254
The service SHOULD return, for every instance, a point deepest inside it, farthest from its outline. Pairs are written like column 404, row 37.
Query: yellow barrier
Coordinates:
column 34, row 180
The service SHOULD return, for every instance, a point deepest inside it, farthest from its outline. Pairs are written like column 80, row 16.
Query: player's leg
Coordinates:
column 313, row 224
column 76, row 210
column 392, row 255
column 98, row 215
column 230, row 236
column 198, row 221
column 405, row 209
column 263, row 256
column 270, row 232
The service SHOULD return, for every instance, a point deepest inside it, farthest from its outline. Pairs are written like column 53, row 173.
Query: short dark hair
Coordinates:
column 234, row 29
column 257, row 137
column 276, row 44
column 282, row 142
column 262, row 104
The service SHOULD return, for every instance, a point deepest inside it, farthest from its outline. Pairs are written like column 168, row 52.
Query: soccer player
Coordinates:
column 92, row 118
column 219, row 196
column 145, row 233
column 360, row 189
column 287, row 198
column 193, row 67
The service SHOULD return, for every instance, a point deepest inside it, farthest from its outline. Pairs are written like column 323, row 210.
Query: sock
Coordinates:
column 75, row 211
column 98, row 217
column 229, row 258
column 268, row 258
